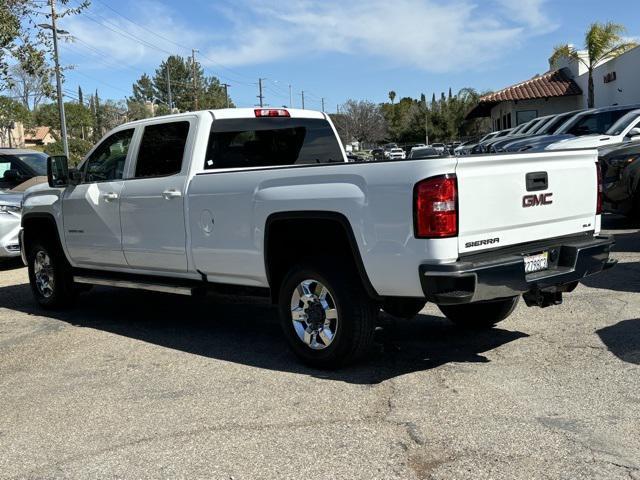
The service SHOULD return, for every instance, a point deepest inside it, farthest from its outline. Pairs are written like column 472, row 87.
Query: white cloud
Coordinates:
column 128, row 43
column 424, row 34
column 431, row 35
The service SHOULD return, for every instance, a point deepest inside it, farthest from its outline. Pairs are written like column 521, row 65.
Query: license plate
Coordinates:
column 535, row 263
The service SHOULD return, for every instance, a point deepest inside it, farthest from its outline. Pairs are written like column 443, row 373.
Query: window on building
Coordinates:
column 525, row 115
column 162, row 149
column 107, row 161
column 258, row 142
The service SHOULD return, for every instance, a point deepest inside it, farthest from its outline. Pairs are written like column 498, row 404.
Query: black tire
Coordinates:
column 480, row 315
column 355, row 314
column 60, row 292
column 406, row 308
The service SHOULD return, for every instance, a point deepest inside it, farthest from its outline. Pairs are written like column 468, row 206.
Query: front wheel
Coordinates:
column 480, row 315
column 326, row 315
column 49, row 275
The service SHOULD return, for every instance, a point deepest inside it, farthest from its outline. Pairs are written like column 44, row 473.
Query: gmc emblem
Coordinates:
column 535, row 200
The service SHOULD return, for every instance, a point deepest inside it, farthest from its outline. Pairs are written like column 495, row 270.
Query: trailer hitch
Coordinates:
column 538, row 298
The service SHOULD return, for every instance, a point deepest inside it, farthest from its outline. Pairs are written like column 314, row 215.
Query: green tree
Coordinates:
column 78, row 148
column 79, row 119
column 178, row 72
column 143, row 89
column 22, row 42
column 602, row 41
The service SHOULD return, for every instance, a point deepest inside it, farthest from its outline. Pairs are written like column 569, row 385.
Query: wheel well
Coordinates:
column 289, row 240
column 42, row 227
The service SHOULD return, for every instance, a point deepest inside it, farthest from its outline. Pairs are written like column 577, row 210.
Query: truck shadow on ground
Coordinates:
column 625, row 231
column 623, row 340
column 248, row 332
column 624, row 277
column 11, row 264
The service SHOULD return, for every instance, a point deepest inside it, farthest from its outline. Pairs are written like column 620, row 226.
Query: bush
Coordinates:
column 78, row 148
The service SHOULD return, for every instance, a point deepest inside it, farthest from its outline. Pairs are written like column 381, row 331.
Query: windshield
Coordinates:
column 593, row 122
column 533, row 125
column 553, row 125
column 36, row 161
column 520, row 128
column 621, row 125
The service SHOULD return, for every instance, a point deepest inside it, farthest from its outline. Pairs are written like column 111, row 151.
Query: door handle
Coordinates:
column 110, row 196
column 171, row 193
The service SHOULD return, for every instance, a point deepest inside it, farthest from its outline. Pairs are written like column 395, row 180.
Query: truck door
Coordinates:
column 152, row 206
column 91, row 210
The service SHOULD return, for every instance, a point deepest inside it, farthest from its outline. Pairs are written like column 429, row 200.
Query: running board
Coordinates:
column 136, row 284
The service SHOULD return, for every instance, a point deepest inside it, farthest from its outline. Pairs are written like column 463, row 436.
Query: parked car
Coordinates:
column 388, row 147
column 627, row 128
column 262, row 201
column 377, row 154
column 517, row 132
column 423, row 152
column 438, row 146
column 467, row 147
column 396, row 154
column 549, row 128
column 407, row 148
column 11, row 215
column 18, row 166
column 620, row 166
column 530, row 129
column 588, row 122
column 480, row 146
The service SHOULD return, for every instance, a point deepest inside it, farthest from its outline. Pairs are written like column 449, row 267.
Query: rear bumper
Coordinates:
column 499, row 275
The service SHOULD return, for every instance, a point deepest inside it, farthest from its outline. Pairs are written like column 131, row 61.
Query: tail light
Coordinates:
column 599, row 200
column 271, row 112
column 436, row 207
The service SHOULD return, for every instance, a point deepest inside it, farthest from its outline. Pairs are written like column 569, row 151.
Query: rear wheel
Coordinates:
column 49, row 275
column 326, row 315
column 480, row 315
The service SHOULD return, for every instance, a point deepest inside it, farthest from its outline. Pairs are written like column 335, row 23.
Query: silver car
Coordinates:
column 11, row 215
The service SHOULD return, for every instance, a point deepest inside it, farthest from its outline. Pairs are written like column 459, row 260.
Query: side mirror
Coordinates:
column 12, row 176
column 634, row 132
column 58, row 171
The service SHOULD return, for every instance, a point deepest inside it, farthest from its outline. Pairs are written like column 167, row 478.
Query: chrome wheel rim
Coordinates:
column 43, row 272
column 314, row 314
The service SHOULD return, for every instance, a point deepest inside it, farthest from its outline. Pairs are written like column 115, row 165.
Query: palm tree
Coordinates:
column 392, row 96
column 602, row 40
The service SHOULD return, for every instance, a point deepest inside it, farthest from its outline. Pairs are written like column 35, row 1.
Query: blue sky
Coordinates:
column 336, row 49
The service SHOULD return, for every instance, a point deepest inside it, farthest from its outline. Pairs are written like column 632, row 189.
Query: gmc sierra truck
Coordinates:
column 263, row 202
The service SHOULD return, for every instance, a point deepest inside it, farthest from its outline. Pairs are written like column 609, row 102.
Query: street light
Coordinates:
column 56, row 58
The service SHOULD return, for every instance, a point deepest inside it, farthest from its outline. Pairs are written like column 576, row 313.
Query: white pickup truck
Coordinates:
column 263, row 201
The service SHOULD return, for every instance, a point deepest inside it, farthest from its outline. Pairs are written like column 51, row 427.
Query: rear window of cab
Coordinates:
column 266, row 142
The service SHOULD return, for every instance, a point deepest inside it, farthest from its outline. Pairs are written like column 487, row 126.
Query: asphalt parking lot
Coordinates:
column 141, row 385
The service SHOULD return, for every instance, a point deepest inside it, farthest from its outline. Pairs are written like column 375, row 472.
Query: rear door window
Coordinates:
column 261, row 142
column 162, row 149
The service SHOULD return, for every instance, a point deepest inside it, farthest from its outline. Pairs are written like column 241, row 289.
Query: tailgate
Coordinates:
column 505, row 199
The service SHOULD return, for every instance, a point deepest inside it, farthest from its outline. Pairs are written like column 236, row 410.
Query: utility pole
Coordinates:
column 260, row 95
column 323, row 104
column 170, row 97
column 195, row 86
column 226, row 92
column 290, row 97
column 426, row 127
column 302, row 93
column 56, row 58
